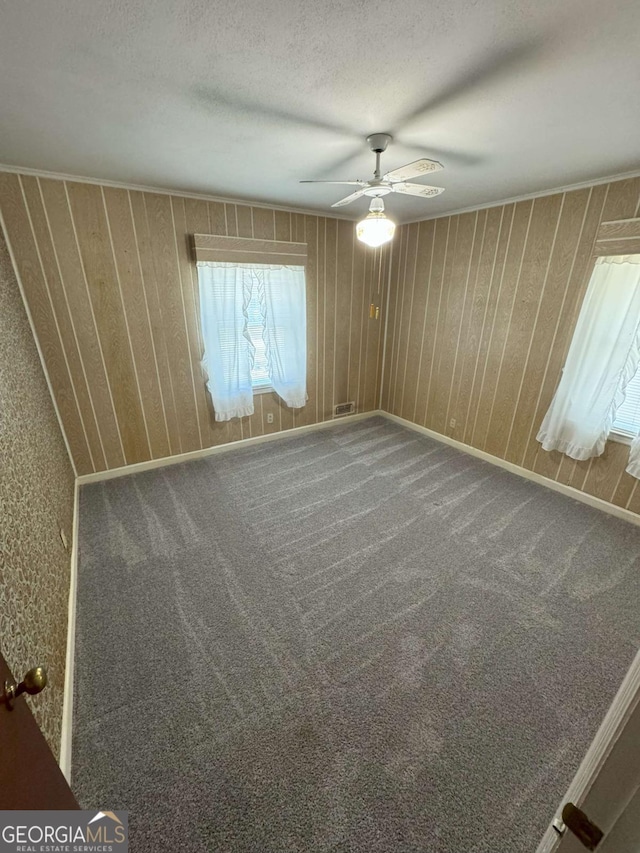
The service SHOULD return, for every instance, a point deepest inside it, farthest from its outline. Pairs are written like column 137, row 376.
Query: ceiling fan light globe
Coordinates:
column 375, row 230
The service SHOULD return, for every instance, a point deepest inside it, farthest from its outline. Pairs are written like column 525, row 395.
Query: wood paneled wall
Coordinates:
column 482, row 311
column 110, row 281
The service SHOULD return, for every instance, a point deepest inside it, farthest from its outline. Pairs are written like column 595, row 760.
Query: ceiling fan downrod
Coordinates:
column 378, row 143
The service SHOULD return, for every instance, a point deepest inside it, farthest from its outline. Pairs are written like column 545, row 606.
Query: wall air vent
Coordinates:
column 343, row 409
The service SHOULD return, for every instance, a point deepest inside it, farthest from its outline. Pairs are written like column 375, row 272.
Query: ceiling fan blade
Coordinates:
column 413, row 170
column 494, row 70
column 416, row 189
column 347, row 183
column 348, row 199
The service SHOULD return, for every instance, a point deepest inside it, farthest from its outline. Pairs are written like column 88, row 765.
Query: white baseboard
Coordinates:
column 151, row 464
column 569, row 491
column 67, row 707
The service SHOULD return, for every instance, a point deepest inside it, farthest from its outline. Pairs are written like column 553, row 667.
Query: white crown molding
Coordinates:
column 582, row 185
column 103, row 182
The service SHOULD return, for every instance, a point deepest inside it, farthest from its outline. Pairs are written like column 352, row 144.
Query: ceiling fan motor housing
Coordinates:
column 378, row 142
column 376, row 192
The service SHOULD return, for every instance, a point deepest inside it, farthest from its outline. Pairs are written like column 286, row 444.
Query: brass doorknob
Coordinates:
column 34, row 682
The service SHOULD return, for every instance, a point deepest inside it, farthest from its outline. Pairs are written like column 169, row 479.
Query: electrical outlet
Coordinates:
column 64, row 540
column 270, row 417
column 452, row 423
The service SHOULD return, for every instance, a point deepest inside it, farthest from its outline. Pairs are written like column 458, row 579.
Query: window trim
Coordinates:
column 248, row 250
column 620, row 438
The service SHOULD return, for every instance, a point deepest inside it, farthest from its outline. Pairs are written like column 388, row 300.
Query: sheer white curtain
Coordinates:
column 285, row 332
column 603, row 357
column 225, row 293
column 225, row 290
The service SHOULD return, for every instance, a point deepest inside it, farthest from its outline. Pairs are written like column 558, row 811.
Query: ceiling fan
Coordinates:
column 391, row 182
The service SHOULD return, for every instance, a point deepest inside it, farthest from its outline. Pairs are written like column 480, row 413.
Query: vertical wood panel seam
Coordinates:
column 630, row 498
column 95, row 325
column 535, row 322
column 184, row 314
column 618, row 481
column 484, row 322
column 164, row 337
column 55, row 321
column 335, row 325
column 353, row 256
column 317, row 286
column 408, row 327
column 146, row 304
column 363, row 328
column 424, row 321
column 381, row 279
column 457, row 220
column 126, row 320
column 435, row 334
column 366, row 321
column 377, row 327
column 363, row 331
column 71, row 321
column 508, row 329
column 195, row 288
column 324, row 321
column 259, row 396
column 557, row 326
column 493, row 321
column 464, row 303
column 395, row 331
column 394, row 327
column 473, row 302
column 400, row 318
column 385, row 331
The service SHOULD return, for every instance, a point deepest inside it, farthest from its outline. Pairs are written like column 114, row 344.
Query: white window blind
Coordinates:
column 627, row 420
column 255, row 326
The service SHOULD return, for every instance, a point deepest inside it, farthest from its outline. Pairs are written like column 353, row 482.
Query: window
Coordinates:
column 602, row 367
column 627, row 422
column 253, row 319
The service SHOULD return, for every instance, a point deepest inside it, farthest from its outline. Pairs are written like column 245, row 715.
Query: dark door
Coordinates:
column 29, row 774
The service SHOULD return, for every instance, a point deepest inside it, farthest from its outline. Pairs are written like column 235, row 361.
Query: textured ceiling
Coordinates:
column 244, row 99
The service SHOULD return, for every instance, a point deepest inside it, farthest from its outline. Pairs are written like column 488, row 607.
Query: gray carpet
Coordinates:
column 358, row 639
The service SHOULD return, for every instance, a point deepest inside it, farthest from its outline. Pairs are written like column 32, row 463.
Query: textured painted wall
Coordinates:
column 36, row 500
column 483, row 308
column 112, row 288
